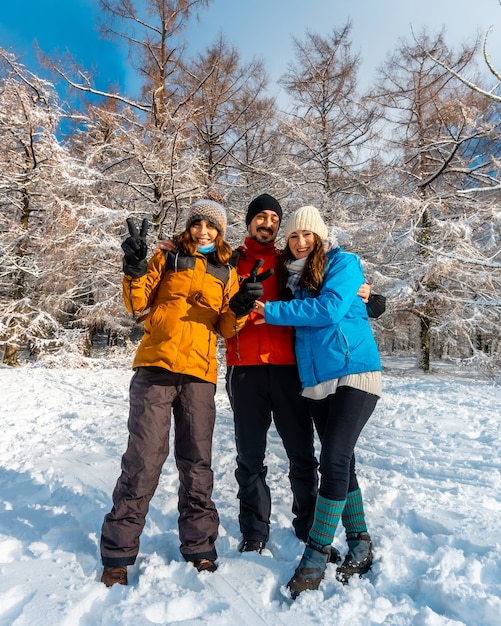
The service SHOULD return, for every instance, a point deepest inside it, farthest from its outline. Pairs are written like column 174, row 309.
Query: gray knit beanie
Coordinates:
column 209, row 210
column 306, row 218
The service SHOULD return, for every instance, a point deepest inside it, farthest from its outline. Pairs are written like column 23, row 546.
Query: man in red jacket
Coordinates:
column 263, row 384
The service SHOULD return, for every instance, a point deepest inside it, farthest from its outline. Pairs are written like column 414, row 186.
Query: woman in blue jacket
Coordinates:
column 340, row 371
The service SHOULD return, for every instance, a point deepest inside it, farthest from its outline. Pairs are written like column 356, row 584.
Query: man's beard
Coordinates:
column 264, row 232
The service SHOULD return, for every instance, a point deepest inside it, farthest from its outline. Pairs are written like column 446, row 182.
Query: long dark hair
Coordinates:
column 312, row 276
column 184, row 243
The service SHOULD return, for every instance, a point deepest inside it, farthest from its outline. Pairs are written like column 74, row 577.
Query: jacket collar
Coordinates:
column 256, row 248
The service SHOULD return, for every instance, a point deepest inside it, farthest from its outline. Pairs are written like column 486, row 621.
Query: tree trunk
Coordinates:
column 424, row 343
column 10, row 356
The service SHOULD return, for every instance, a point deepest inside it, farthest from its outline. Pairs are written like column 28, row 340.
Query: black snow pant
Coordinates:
column 257, row 393
column 339, row 420
column 153, row 393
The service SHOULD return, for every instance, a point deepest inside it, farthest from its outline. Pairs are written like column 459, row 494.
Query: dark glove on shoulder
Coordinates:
column 250, row 290
column 376, row 305
column 135, row 250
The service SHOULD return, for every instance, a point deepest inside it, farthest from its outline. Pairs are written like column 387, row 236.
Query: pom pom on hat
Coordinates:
column 264, row 202
column 209, row 210
column 306, row 218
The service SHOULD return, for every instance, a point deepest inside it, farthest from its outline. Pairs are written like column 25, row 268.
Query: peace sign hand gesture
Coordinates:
column 135, row 250
column 250, row 290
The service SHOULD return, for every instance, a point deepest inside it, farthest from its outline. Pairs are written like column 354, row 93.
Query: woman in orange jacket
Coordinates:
column 187, row 298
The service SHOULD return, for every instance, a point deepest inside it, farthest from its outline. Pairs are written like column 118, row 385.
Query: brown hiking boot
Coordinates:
column 205, row 565
column 114, row 576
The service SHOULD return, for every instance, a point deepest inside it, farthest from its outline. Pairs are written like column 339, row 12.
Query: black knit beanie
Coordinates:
column 264, row 202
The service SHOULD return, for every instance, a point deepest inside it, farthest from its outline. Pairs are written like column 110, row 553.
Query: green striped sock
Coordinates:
column 353, row 514
column 325, row 521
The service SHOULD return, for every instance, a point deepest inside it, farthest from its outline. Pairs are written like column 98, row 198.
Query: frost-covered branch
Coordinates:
column 462, row 259
column 472, row 85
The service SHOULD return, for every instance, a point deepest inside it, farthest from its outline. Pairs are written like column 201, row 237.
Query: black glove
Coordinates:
column 376, row 305
column 250, row 290
column 135, row 249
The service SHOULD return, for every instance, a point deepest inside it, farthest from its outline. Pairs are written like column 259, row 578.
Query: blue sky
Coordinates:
column 259, row 28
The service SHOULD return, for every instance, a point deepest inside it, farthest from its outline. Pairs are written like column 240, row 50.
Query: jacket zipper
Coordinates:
column 346, row 344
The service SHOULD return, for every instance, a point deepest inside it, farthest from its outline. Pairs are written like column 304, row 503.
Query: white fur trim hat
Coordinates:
column 306, row 218
column 209, row 210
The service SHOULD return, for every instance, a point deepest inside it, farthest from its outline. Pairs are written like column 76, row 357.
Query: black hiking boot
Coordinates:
column 251, row 545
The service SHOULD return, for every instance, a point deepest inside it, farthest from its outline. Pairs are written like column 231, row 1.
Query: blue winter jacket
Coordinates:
column 333, row 335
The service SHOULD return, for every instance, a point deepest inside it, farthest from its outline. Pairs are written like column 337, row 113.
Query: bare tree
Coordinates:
column 208, row 118
column 155, row 120
column 226, row 105
column 29, row 116
column 493, row 181
column 329, row 124
column 435, row 127
column 136, row 155
column 59, row 252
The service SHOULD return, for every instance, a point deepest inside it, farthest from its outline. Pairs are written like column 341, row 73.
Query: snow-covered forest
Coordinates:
column 407, row 174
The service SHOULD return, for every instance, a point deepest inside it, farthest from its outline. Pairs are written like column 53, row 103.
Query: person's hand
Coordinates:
column 250, row 290
column 135, row 250
column 364, row 292
column 259, row 309
column 164, row 244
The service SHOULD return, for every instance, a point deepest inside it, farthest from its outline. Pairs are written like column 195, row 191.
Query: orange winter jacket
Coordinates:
column 185, row 304
column 257, row 345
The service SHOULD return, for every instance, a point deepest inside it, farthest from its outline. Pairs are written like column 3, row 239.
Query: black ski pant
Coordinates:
column 339, row 420
column 153, row 393
column 258, row 394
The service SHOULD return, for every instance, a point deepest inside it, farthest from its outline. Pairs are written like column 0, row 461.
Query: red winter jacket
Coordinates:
column 257, row 345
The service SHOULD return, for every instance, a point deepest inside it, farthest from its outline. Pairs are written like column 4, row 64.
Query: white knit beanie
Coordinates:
column 209, row 210
column 306, row 218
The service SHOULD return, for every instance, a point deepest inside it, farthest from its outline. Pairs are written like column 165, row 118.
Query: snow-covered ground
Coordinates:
column 428, row 464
